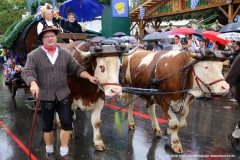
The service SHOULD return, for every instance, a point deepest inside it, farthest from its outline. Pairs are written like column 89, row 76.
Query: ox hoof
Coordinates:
column 132, row 127
column 177, row 149
column 167, row 131
column 157, row 132
column 183, row 126
column 100, row 147
column 72, row 136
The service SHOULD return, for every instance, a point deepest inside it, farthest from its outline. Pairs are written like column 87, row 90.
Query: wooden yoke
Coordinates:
column 77, row 36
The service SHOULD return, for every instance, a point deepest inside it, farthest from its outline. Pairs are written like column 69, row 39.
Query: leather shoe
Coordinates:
column 50, row 156
column 66, row 157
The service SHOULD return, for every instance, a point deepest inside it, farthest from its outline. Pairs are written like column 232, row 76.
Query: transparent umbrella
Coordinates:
column 156, row 36
column 232, row 36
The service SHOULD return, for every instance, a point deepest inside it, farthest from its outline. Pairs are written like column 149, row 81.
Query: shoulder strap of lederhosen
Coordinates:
column 44, row 23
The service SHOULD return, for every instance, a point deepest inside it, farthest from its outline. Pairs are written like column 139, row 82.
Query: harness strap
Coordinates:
column 186, row 78
column 44, row 23
column 197, row 79
column 105, row 84
column 216, row 81
column 152, row 81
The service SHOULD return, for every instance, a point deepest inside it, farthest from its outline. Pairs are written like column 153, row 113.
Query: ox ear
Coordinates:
column 194, row 55
column 83, row 54
column 131, row 51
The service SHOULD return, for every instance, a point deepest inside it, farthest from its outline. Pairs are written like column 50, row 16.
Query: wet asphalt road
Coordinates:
column 205, row 137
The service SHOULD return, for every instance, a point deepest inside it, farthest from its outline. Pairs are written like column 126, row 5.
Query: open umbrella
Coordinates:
column 119, row 40
column 97, row 39
column 231, row 27
column 129, row 38
column 211, row 35
column 171, row 35
column 184, row 30
column 85, row 10
column 166, row 45
column 109, row 42
column 119, row 34
column 140, row 37
column 156, row 36
column 232, row 36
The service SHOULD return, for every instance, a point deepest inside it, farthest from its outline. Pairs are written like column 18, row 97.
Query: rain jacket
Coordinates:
column 233, row 78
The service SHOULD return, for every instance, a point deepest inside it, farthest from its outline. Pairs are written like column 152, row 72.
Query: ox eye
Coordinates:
column 102, row 68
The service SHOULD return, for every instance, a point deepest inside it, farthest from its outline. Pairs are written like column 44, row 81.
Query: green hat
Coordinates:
column 184, row 42
column 202, row 39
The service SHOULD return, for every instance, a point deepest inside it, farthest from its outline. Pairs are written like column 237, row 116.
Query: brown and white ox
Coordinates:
column 137, row 73
column 88, row 96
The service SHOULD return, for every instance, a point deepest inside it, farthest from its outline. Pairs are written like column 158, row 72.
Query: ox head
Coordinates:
column 107, row 66
column 208, row 73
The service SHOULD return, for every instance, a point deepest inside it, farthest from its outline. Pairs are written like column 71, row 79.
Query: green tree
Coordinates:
column 10, row 11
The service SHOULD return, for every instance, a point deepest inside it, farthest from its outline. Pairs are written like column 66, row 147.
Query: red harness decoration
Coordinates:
column 50, row 49
column 114, row 84
column 197, row 79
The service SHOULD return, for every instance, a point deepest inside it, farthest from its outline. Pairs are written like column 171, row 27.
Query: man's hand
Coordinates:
column 93, row 79
column 34, row 89
column 86, row 75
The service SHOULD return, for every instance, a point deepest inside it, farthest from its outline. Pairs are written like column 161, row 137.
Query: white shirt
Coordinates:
column 195, row 46
column 54, row 58
column 177, row 46
column 40, row 26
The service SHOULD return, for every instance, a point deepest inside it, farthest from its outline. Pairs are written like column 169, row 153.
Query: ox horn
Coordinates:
column 81, row 53
column 131, row 51
column 192, row 54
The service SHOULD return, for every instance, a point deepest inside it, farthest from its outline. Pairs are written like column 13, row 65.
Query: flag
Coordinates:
column 142, row 12
column 194, row 3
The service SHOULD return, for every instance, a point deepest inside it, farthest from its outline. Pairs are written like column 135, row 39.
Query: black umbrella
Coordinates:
column 119, row 34
column 231, row 27
column 109, row 42
column 119, row 40
column 97, row 39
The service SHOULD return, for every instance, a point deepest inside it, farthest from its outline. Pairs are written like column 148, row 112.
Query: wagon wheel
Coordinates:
column 13, row 89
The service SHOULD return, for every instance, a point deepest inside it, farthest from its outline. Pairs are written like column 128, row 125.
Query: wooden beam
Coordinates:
column 152, row 2
column 133, row 26
column 159, row 24
column 163, row 2
column 72, row 36
column 144, row 24
column 224, row 12
column 230, row 13
column 184, row 11
column 152, row 24
column 236, row 12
